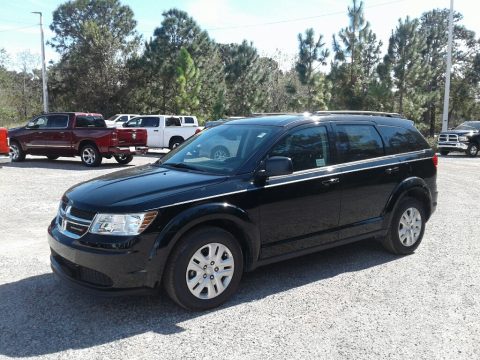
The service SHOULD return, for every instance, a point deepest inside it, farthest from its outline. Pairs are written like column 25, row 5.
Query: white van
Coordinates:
column 165, row 130
column 117, row 120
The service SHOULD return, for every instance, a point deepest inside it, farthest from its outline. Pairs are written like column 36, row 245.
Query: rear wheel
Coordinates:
column 444, row 152
column 407, row 227
column 175, row 141
column 16, row 152
column 123, row 158
column 90, row 155
column 204, row 269
column 472, row 150
column 52, row 157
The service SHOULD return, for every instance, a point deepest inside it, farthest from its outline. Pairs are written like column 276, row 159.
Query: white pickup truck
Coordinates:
column 165, row 130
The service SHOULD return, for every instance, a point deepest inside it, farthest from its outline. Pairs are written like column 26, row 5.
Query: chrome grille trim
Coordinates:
column 65, row 219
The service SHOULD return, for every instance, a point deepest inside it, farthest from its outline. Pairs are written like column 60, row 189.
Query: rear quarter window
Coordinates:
column 90, row 122
column 401, row 140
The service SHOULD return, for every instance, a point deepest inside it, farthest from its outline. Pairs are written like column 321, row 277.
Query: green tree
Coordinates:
column 95, row 40
column 188, row 84
column 312, row 54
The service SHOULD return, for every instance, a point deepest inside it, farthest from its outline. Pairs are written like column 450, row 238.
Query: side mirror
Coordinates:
column 124, row 124
column 278, row 165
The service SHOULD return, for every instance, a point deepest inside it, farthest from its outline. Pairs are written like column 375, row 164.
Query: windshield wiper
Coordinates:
column 181, row 166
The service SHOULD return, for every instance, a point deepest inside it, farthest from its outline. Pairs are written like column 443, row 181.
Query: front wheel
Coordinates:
column 407, row 227
column 472, row 150
column 174, row 142
column 205, row 269
column 90, row 155
column 123, row 158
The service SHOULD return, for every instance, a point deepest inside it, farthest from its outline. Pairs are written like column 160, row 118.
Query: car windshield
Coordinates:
column 469, row 125
column 219, row 150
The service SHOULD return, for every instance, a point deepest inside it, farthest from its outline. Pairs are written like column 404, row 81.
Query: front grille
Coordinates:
column 73, row 222
column 448, row 138
column 82, row 273
column 88, row 215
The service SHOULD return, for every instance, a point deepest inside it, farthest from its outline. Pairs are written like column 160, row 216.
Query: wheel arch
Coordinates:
column 84, row 142
column 223, row 215
column 414, row 187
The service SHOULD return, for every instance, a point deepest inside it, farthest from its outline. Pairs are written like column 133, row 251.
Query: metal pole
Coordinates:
column 44, row 69
column 446, row 97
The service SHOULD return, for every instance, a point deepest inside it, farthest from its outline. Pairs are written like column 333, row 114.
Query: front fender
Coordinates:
column 211, row 213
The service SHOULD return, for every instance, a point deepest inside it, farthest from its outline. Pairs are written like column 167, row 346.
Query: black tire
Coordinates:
column 472, row 150
column 90, row 155
column 123, row 158
column 392, row 241
column 16, row 152
column 52, row 157
column 175, row 275
column 175, row 141
column 219, row 153
column 444, row 152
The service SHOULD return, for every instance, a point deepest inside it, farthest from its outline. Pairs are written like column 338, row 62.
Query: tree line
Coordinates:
column 105, row 67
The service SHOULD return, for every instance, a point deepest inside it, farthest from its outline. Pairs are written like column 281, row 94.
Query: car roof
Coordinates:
column 298, row 119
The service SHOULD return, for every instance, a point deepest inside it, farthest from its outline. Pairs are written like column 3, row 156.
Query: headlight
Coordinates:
column 462, row 138
column 122, row 224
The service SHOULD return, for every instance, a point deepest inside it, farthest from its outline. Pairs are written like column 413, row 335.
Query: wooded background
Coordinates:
column 106, row 67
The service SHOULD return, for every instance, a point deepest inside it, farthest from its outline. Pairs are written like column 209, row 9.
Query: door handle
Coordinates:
column 331, row 181
column 392, row 170
column 155, row 130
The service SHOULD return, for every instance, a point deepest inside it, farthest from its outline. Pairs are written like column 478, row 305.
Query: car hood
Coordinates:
column 140, row 188
column 459, row 132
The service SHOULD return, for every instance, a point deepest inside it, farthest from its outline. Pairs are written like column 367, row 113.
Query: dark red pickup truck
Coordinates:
column 76, row 134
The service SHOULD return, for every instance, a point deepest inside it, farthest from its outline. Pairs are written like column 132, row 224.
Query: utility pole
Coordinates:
column 44, row 69
column 446, row 97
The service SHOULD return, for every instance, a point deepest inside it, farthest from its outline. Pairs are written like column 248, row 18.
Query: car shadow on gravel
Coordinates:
column 62, row 165
column 38, row 316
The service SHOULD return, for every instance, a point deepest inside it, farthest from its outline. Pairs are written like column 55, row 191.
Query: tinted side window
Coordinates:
column 38, row 123
column 172, row 121
column 188, row 120
column 135, row 122
column 308, row 148
column 89, row 121
column 358, row 142
column 400, row 140
column 57, row 121
column 150, row 122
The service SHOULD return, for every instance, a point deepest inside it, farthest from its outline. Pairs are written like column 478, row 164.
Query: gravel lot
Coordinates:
column 353, row 302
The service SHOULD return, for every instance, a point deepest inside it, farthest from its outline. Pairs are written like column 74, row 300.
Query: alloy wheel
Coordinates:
column 14, row 152
column 88, row 156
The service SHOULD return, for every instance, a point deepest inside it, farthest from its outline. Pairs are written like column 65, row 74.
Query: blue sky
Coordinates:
column 270, row 24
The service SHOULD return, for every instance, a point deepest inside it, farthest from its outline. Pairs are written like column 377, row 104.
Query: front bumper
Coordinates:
column 100, row 270
column 459, row 146
column 128, row 150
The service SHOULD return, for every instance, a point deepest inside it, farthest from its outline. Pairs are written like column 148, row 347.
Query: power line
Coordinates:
column 299, row 19
column 14, row 21
column 19, row 28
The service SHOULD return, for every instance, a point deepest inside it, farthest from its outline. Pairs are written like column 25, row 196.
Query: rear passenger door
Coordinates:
column 368, row 177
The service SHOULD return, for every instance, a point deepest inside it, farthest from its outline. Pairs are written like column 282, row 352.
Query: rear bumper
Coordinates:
column 128, row 150
column 459, row 146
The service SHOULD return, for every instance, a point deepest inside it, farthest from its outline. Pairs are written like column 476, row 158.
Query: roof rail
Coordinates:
column 359, row 112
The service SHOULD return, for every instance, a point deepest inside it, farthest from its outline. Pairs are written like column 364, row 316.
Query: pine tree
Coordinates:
column 188, row 85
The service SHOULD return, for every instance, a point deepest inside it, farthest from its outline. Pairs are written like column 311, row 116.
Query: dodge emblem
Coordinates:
column 134, row 136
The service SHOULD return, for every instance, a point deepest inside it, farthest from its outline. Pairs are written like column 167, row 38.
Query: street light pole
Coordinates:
column 446, row 97
column 44, row 69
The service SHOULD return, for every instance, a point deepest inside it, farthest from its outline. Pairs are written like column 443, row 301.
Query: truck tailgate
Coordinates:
column 132, row 137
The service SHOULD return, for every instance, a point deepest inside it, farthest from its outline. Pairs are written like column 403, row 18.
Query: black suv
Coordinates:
column 291, row 185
